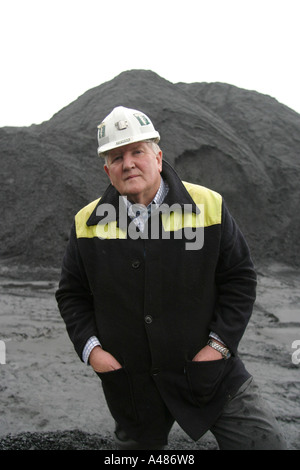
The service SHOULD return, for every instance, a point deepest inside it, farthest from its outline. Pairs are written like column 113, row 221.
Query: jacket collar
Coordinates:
column 177, row 194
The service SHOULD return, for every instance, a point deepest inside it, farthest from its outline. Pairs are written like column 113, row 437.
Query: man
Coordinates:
column 156, row 290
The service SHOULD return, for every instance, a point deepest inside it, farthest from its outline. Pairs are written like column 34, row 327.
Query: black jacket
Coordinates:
column 152, row 303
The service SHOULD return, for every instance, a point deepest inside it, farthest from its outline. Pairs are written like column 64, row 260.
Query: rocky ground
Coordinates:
column 50, row 400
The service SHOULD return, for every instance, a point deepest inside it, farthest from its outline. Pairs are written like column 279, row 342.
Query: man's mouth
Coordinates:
column 131, row 177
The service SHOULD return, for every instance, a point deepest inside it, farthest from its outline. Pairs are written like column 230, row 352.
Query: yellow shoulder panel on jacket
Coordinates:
column 81, row 218
column 211, row 200
column 100, row 230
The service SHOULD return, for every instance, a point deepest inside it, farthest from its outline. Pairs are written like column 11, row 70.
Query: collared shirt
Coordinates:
column 140, row 213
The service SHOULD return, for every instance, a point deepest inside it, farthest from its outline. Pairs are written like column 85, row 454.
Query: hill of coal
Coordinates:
column 240, row 143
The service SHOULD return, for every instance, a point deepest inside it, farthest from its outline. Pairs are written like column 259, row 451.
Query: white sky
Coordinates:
column 54, row 51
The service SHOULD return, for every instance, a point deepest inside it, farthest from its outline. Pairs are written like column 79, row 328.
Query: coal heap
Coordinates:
column 240, row 143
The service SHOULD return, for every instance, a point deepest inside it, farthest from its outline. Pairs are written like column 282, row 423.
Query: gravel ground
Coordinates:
column 51, row 401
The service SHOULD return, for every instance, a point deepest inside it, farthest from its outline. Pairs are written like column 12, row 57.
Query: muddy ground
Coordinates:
column 50, row 400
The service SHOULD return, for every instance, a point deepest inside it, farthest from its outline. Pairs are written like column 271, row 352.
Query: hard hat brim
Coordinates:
column 154, row 136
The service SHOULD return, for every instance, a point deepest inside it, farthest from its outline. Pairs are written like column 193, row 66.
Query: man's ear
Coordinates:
column 159, row 157
column 106, row 169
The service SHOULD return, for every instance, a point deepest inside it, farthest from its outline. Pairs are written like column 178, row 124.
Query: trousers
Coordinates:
column 246, row 423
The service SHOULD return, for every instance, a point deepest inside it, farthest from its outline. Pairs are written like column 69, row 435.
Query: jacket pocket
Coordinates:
column 118, row 394
column 204, row 378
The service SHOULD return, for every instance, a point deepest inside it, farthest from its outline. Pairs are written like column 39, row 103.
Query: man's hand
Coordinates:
column 103, row 361
column 207, row 354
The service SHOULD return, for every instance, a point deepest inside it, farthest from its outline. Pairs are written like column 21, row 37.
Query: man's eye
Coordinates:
column 116, row 158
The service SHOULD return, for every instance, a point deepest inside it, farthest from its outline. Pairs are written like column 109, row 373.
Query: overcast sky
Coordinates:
column 54, row 51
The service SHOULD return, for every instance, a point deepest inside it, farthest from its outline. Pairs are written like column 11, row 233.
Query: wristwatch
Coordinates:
column 224, row 351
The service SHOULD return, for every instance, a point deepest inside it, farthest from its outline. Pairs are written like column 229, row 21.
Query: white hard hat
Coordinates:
column 124, row 126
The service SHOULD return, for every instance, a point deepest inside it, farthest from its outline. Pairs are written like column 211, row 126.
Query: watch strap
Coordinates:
column 222, row 349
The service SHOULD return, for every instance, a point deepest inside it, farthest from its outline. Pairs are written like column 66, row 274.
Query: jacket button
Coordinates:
column 135, row 264
column 148, row 319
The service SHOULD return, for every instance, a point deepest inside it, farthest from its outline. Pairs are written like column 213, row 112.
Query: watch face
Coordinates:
column 227, row 354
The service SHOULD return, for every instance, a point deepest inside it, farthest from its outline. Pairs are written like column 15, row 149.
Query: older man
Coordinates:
column 156, row 290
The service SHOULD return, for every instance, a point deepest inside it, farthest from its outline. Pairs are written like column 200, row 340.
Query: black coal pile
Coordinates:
column 240, row 143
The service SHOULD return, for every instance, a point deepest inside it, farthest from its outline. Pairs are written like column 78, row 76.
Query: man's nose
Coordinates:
column 128, row 161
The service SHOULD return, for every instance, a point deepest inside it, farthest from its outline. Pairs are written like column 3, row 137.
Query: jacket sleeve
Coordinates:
column 74, row 297
column 235, row 283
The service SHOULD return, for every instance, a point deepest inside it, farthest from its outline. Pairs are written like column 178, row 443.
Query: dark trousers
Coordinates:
column 246, row 423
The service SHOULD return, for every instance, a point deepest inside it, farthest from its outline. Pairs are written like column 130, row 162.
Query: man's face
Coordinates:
column 134, row 170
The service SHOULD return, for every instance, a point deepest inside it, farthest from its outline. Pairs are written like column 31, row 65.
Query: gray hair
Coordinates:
column 155, row 147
